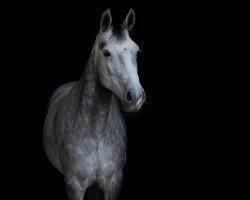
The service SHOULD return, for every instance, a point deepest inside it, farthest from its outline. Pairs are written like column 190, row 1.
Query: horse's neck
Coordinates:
column 94, row 98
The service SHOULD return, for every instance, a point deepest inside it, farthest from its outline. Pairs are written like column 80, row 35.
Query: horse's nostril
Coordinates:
column 128, row 97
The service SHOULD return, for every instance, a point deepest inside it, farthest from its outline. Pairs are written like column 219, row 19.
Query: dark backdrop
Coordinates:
column 171, row 141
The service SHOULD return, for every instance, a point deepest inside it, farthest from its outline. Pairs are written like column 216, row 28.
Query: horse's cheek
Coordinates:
column 105, row 81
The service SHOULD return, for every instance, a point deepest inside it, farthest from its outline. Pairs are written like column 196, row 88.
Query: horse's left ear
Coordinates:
column 129, row 21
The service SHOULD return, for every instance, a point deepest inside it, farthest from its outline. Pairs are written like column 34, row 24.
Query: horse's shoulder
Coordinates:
column 61, row 92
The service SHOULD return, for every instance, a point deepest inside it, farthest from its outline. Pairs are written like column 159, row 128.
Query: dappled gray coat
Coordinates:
column 84, row 132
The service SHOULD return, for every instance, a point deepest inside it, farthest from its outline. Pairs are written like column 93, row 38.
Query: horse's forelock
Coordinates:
column 118, row 32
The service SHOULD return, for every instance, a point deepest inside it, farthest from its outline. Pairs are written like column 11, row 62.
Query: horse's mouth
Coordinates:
column 131, row 108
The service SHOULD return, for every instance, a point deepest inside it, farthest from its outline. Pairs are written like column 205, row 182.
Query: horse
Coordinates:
column 84, row 133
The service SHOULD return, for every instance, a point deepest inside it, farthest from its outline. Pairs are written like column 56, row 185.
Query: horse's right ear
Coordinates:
column 106, row 20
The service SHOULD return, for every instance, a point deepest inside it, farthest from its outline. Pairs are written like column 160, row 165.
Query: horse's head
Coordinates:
column 115, row 54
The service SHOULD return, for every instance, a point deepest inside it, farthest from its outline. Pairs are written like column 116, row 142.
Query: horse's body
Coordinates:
column 84, row 133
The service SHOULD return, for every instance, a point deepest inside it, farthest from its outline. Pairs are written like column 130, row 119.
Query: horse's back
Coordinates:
column 50, row 136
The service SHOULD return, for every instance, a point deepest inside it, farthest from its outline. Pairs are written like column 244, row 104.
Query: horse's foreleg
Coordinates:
column 74, row 190
column 113, row 186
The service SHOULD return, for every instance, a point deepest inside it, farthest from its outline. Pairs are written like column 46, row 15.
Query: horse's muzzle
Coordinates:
column 133, row 100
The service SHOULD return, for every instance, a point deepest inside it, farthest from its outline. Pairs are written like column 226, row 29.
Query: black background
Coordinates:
column 171, row 141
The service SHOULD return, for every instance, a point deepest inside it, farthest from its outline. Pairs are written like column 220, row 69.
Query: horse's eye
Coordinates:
column 106, row 53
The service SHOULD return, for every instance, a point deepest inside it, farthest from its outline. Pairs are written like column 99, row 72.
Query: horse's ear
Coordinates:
column 129, row 20
column 106, row 20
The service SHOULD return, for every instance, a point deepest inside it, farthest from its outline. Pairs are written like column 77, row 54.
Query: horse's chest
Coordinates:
column 111, row 153
column 98, row 148
column 104, row 154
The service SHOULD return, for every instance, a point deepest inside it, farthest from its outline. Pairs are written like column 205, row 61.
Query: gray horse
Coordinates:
column 84, row 132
